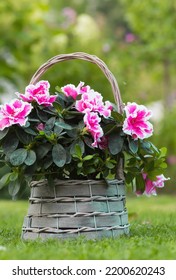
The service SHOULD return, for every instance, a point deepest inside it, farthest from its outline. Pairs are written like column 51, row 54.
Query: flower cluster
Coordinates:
column 92, row 106
column 137, row 122
column 75, row 134
column 38, row 93
column 150, row 186
column 15, row 112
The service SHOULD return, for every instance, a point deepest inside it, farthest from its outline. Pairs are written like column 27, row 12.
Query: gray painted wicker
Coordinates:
column 71, row 208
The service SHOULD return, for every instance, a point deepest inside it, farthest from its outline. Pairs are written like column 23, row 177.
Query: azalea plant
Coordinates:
column 75, row 134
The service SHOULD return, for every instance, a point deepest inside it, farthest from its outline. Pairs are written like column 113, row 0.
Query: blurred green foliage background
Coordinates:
column 136, row 39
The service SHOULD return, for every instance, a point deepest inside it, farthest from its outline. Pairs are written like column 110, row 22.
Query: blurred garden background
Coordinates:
column 136, row 39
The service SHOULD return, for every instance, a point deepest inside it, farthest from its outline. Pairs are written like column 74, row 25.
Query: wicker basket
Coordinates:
column 70, row 208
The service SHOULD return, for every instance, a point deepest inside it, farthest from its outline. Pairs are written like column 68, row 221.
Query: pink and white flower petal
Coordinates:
column 150, row 186
column 92, row 122
column 4, row 122
column 38, row 93
column 15, row 112
column 70, row 90
column 136, row 122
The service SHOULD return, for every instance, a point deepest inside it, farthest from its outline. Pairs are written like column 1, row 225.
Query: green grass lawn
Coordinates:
column 152, row 235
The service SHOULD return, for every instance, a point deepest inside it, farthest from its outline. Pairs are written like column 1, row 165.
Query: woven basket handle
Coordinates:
column 83, row 56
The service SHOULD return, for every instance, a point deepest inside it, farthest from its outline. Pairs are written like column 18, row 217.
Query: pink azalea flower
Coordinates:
column 71, row 90
column 150, row 186
column 93, row 101
column 103, row 143
column 40, row 126
column 107, row 109
column 82, row 88
column 38, row 93
column 92, row 122
column 84, row 105
column 136, row 123
column 15, row 112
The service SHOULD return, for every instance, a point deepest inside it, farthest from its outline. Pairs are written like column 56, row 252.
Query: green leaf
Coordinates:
column 79, row 143
column 108, row 128
column 140, row 183
column 80, row 164
column 3, row 133
column 27, row 124
column 98, row 175
column 43, row 149
column 163, row 165
column 30, row 170
column 115, row 143
column 60, row 95
column 88, row 142
column 81, row 125
column 13, row 187
column 133, row 169
column 88, row 157
column 58, row 130
column 13, row 176
column 60, row 101
column 30, row 131
column 58, row 106
column 109, row 165
column 163, row 152
column 64, row 125
column 117, row 116
column 48, row 162
column 78, row 151
column 59, row 155
column 42, row 115
column 23, row 136
column 50, row 124
column 154, row 147
column 146, row 145
column 33, row 120
column 133, row 145
column 49, row 110
column 58, row 89
column 149, row 166
column 10, row 144
column 73, row 133
column 90, row 170
column 5, row 180
column 31, row 157
column 18, row 157
column 68, row 156
column 129, row 178
column 152, row 174
column 4, row 170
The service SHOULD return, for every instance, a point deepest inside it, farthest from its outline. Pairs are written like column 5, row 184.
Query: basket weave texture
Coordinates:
column 72, row 208
column 78, row 207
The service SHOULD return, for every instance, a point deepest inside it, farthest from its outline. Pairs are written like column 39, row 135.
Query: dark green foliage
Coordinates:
column 115, row 143
column 59, row 155
column 55, row 143
column 18, row 157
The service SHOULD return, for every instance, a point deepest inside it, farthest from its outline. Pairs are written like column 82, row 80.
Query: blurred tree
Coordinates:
column 153, row 23
column 32, row 32
column 136, row 39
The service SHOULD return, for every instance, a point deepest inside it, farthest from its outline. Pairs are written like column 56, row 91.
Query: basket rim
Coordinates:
column 62, row 182
column 87, row 57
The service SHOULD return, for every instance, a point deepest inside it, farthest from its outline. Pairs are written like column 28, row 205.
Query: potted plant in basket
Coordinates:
column 74, row 135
